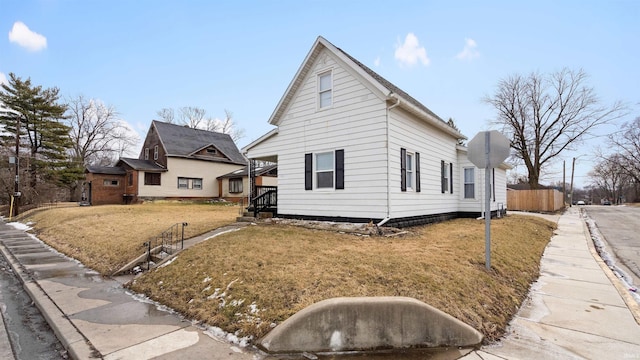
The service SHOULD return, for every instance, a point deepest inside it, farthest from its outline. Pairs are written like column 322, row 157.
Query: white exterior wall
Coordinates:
column 355, row 122
column 477, row 204
column 434, row 146
column 179, row 167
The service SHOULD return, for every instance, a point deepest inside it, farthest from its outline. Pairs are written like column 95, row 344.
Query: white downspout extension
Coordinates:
column 388, row 217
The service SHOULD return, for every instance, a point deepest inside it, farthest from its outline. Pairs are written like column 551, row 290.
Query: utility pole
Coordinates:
column 16, row 190
column 564, row 182
column 573, row 168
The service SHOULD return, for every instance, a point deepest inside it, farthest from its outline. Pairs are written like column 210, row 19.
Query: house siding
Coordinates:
column 476, row 205
column 355, row 123
column 434, row 146
column 150, row 142
column 187, row 168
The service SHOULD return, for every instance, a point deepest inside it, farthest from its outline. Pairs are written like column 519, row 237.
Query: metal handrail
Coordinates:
column 167, row 241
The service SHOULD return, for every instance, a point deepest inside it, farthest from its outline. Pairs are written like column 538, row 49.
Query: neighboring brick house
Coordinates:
column 104, row 185
column 176, row 162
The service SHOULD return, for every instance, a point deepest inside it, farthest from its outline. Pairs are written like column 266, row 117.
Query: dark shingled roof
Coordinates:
column 387, row 84
column 107, row 170
column 141, row 165
column 183, row 141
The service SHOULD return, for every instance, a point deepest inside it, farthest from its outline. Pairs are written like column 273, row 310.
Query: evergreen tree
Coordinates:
column 42, row 134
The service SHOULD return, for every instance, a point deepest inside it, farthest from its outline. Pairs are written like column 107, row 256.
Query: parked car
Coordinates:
column 606, row 202
column 580, row 202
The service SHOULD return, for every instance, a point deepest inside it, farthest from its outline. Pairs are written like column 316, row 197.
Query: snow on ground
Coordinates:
column 599, row 243
column 20, row 226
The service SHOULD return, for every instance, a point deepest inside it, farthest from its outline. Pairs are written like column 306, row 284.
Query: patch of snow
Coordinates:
column 206, row 280
column 168, row 262
column 207, row 288
column 220, row 233
column 20, row 226
column 598, row 241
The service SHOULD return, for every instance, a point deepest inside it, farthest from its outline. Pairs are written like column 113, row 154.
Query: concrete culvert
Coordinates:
column 366, row 324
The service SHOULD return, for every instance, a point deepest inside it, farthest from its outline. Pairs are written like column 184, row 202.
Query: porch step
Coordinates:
column 248, row 216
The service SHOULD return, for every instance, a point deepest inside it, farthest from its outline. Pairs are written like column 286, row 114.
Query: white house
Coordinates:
column 351, row 146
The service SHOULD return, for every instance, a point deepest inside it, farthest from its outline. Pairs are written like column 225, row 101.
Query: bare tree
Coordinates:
column 545, row 115
column 166, row 115
column 193, row 117
column 226, row 126
column 627, row 142
column 96, row 131
column 609, row 178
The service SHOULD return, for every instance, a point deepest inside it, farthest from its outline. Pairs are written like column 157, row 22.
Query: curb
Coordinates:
column 78, row 347
column 631, row 303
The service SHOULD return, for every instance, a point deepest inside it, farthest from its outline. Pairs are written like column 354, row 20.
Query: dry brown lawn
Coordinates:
column 105, row 238
column 246, row 280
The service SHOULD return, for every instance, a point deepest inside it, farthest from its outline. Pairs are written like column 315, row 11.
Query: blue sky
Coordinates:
column 141, row 56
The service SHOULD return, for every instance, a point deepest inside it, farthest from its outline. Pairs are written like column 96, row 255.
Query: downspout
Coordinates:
column 388, row 109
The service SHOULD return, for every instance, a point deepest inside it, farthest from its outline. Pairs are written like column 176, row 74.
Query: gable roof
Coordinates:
column 141, row 165
column 183, row 141
column 385, row 88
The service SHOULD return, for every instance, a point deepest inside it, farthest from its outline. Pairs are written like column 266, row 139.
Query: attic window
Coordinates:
column 325, row 90
column 212, row 151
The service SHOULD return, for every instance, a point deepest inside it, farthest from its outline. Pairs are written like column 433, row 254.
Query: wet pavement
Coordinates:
column 95, row 317
column 28, row 332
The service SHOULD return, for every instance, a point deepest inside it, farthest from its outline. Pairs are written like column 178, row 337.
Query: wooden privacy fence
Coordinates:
column 535, row 200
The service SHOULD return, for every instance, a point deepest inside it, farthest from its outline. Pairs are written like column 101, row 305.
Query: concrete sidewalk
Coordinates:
column 575, row 310
column 94, row 317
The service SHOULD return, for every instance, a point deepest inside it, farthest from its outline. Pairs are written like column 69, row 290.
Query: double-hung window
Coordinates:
column 189, row 183
column 325, row 90
column 410, row 171
column 469, row 183
column 446, row 177
column 324, row 170
column 155, row 152
column 235, row 185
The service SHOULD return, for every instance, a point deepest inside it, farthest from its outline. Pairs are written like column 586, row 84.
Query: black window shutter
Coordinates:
column 339, row 169
column 494, row 183
column 451, row 178
column 308, row 171
column 442, row 183
column 403, row 169
column 417, row 172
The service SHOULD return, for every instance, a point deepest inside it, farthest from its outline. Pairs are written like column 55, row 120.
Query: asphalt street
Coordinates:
column 620, row 225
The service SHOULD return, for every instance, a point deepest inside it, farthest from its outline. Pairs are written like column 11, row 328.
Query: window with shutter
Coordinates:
column 450, row 178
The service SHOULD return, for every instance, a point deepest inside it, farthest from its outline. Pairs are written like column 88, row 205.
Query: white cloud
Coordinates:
column 3, row 79
column 469, row 52
column 23, row 36
column 376, row 62
column 410, row 52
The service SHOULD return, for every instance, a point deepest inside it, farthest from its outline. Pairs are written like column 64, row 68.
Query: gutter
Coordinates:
column 397, row 103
